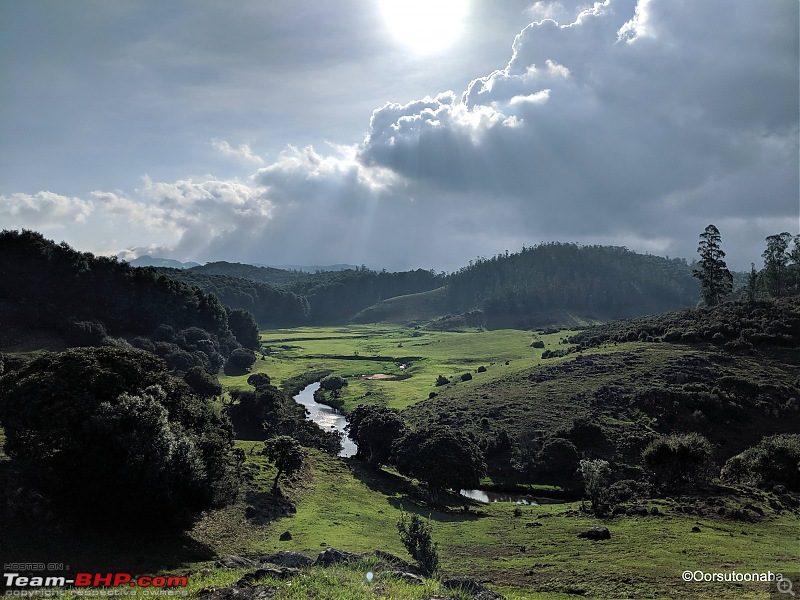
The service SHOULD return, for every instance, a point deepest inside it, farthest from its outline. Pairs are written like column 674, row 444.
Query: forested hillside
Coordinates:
column 599, row 282
column 51, row 283
column 271, row 306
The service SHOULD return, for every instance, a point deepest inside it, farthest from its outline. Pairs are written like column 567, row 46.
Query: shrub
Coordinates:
column 415, row 534
column 107, row 433
column 332, row 383
column 239, row 361
column 259, row 380
column 442, row 380
column 679, row 461
column 595, row 474
column 559, row 460
column 775, row 459
column 537, row 344
column 86, row 333
column 466, row 376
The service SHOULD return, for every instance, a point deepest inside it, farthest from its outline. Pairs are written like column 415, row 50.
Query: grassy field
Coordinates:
column 412, row 358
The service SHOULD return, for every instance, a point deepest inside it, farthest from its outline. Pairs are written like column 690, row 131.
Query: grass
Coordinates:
column 413, row 357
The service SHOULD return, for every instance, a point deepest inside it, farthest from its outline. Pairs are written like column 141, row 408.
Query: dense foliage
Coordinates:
column 56, row 285
column 110, row 431
column 774, row 460
column 374, row 429
column 442, row 457
column 679, row 461
column 599, row 281
column 270, row 305
column 416, row 535
column 286, row 454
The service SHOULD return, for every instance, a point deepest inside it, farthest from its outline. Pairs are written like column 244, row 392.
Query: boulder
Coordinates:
column 235, row 562
column 596, row 533
column 280, row 573
column 256, row 592
column 470, row 586
column 285, row 536
column 283, row 558
column 333, row 556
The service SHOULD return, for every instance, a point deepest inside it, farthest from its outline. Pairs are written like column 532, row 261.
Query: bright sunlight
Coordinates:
column 425, row 26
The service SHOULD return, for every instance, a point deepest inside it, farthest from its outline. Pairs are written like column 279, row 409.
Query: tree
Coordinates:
column 679, row 460
column 595, row 474
column 374, row 429
column 240, row 361
column 415, row 534
column 753, row 281
column 108, row 433
column 203, row 383
column 287, row 455
column 259, row 380
column 525, row 455
column 440, row 456
column 775, row 459
column 776, row 259
column 332, row 383
column 716, row 281
column 244, row 328
column 559, row 461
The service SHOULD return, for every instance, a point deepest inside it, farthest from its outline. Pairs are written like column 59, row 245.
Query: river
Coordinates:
column 330, row 418
column 325, row 416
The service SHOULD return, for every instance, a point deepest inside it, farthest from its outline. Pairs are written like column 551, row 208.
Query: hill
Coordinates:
column 728, row 373
column 410, row 308
column 590, row 282
column 153, row 261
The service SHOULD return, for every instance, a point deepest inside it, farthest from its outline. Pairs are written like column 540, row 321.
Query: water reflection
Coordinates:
column 489, row 496
column 325, row 416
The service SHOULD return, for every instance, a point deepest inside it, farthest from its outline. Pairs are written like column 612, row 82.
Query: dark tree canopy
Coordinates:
column 679, row 461
column 111, row 431
column 776, row 264
column 442, row 457
column 286, row 453
column 716, row 281
column 244, row 328
column 374, row 429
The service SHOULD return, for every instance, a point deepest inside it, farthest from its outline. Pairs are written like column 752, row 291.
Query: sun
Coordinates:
column 425, row 26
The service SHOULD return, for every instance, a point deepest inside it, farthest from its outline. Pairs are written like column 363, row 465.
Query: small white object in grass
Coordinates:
column 369, row 576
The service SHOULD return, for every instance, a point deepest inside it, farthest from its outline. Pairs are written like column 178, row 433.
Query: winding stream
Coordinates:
column 325, row 416
column 330, row 418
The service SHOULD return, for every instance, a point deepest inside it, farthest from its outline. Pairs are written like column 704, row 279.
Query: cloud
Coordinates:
column 617, row 122
column 42, row 210
column 242, row 153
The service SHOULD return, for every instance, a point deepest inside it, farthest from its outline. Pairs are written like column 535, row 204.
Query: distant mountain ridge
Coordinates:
column 154, row 261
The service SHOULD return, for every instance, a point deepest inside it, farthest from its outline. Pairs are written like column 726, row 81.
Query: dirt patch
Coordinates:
column 378, row 376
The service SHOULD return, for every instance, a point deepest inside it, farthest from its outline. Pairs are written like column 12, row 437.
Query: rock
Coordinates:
column 283, row 558
column 285, row 536
column 533, row 524
column 654, row 511
column 332, row 556
column 281, row 573
column 695, row 529
column 397, row 563
column 407, row 577
column 479, row 591
column 256, row 592
column 596, row 533
column 633, row 511
column 235, row 562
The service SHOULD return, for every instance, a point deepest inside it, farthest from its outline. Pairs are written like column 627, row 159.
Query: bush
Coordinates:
column 466, row 376
column 86, row 333
column 108, row 433
column 259, row 380
column 240, row 361
column 537, row 344
column 679, row 461
column 415, row 534
column 775, row 459
column 442, row 380
column 559, row 460
column 332, row 383
column 595, row 474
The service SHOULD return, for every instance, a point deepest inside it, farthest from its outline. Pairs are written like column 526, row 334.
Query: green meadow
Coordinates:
column 393, row 365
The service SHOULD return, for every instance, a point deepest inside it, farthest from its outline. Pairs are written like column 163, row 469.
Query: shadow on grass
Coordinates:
column 404, row 495
column 266, row 507
column 33, row 534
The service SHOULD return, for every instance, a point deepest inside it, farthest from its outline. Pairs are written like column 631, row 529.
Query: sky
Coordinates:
column 399, row 133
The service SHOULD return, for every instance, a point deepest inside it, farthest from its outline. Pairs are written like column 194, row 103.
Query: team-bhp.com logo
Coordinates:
column 85, row 580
